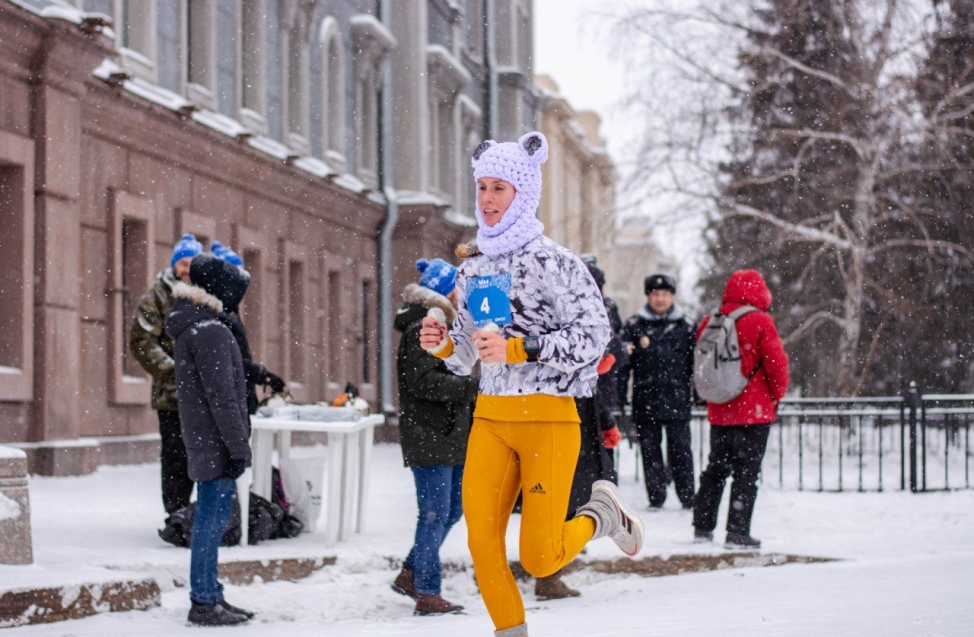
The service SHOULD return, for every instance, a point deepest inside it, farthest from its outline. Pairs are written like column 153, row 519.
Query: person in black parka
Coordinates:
column 211, row 388
column 661, row 341
column 435, row 414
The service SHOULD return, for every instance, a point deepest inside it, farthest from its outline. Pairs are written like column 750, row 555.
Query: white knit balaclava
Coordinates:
column 519, row 164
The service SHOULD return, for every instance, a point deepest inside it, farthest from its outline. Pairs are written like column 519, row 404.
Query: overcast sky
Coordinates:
column 574, row 44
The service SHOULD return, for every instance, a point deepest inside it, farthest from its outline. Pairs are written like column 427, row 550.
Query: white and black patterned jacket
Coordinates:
column 554, row 297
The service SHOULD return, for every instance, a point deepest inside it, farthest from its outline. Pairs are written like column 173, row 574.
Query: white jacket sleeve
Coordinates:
column 464, row 355
column 584, row 333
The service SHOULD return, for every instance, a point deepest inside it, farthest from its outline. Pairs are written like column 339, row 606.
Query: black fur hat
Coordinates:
column 659, row 282
column 223, row 280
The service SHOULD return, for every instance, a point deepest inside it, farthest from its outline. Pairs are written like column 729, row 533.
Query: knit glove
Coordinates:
column 276, row 383
column 235, row 468
column 611, row 438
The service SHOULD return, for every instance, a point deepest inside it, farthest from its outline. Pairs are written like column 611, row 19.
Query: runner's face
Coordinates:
column 494, row 196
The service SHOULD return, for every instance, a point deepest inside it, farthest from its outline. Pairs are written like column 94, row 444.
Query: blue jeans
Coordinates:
column 214, row 505
column 438, row 490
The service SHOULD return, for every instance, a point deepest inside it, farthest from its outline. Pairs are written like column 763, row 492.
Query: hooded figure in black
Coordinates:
column 211, row 387
column 210, row 378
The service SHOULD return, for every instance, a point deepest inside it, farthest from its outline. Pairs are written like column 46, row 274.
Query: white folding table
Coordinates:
column 349, row 462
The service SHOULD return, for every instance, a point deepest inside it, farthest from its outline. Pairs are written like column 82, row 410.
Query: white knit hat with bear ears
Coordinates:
column 519, row 164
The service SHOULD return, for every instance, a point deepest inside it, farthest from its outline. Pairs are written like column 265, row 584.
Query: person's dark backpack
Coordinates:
column 717, row 358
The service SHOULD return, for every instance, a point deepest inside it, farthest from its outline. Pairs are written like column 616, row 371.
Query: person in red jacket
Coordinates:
column 739, row 428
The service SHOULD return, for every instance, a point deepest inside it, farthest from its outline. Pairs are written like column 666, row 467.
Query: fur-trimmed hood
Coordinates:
column 418, row 300
column 192, row 305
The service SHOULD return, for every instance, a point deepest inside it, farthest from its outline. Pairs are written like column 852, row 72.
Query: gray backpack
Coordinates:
column 717, row 358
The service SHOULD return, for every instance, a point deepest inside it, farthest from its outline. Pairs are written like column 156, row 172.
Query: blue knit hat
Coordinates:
column 188, row 246
column 438, row 275
column 223, row 252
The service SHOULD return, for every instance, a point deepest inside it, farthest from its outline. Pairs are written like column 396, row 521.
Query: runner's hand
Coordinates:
column 491, row 346
column 432, row 334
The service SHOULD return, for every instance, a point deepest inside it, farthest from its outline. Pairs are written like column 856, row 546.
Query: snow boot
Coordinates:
column 213, row 615
column 521, row 630
column 249, row 614
column 552, row 587
column 741, row 541
column 702, row 537
column 435, row 605
column 613, row 517
column 405, row 584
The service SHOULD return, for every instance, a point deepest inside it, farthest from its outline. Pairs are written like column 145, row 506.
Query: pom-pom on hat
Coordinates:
column 437, row 275
column 223, row 252
column 519, row 164
column 188, row 246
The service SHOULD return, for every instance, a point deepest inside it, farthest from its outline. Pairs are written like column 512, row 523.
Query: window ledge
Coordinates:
column 446, row 70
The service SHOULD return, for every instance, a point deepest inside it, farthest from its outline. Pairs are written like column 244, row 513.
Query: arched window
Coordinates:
column 136, row 30
column 296, row 112
column 332, row 93
column 253, row 86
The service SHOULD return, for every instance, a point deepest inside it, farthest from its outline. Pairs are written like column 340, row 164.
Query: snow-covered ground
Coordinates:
column 906, row 569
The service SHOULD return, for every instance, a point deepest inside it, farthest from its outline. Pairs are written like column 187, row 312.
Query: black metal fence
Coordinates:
column 916, row 442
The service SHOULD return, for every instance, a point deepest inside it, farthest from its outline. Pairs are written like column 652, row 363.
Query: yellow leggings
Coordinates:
column 503, row 458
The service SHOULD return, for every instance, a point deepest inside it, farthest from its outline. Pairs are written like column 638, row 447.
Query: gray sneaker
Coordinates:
column 627, row 527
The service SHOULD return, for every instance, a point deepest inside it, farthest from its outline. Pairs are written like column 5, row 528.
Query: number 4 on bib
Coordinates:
column 488, row 299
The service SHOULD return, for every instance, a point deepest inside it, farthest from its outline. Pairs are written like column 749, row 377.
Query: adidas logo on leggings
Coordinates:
column 538, row 489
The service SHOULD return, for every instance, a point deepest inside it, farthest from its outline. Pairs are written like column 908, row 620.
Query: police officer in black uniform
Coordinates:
column 661, row 341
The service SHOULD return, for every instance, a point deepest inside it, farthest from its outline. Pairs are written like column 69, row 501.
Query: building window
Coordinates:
column 332, row 94
column 136, row 31
column 372, row 42
column 368, row 356
column 335, row 337
column 447, row 77
column 201, row 52
column 249, row 243
column 473, row 26
column 524, row 40
column 296, row 73
column 16, row 267
column 129, row 276
column 293, row 285
column 253, row 90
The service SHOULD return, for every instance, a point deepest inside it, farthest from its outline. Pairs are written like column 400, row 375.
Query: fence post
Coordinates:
column 913, row 403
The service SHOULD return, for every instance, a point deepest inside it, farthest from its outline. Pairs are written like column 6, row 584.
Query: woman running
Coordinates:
column 531, row 313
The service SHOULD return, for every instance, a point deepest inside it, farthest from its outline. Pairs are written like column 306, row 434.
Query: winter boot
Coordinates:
column 741, row 541
column 435, row 605
column 233, row 609
column 702, row 537
column 613, row 517
column 213, row 615
column 552, row 587
column 521, row 630
column 405, row 584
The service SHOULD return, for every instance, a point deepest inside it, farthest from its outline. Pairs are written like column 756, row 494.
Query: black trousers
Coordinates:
column 650, row 432
column 734, row 450
column 176, row 484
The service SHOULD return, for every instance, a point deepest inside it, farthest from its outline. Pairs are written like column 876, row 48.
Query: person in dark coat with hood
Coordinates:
column 435, row 414
column 661, row 341
column 211, row 387
column 739, row 428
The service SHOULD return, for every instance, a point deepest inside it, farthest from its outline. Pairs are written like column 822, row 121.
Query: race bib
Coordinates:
column 489, row 300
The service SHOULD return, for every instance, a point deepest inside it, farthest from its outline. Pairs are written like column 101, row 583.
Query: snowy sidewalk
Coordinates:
column 907, row 568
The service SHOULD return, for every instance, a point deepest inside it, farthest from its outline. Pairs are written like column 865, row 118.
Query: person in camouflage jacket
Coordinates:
column 153, row 349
